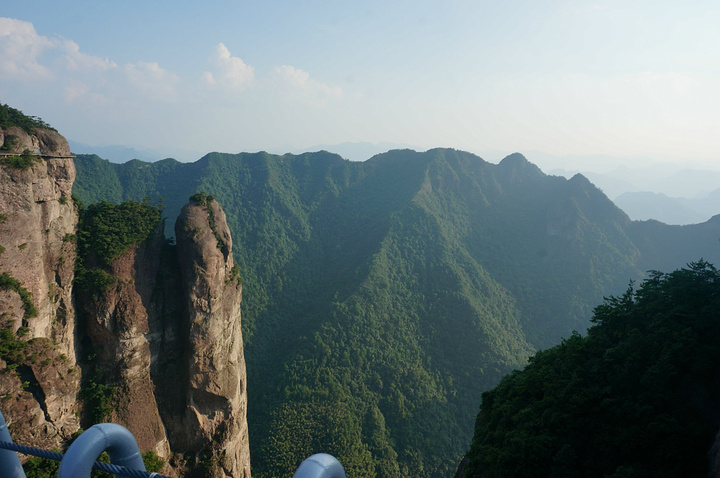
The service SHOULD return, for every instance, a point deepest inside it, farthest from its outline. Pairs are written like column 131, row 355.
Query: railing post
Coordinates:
column 115, row 439
column 10, row 466
column 320, row 465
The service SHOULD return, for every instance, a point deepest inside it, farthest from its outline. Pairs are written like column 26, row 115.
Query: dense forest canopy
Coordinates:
column 380, row 299
column 637, row 396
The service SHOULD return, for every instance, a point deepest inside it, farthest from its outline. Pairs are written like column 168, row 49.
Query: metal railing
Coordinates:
column 125, row 456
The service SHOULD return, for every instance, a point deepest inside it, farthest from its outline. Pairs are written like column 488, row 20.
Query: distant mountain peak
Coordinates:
column 514, row 159
column 516, row 166
column 580, row 179
column 715, row 220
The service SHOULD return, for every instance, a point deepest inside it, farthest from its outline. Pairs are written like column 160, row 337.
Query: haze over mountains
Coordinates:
column 121, row 154
column 668, row 192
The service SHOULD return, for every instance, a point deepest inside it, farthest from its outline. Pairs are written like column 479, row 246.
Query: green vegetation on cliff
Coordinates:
column 380, row 299
column 106, row 230
column 8, row 282
column 22, row 162
column 37, row 467
column 636, row 397
column 12, row 345
column 10, row 117
column 204, row 199
column 168, row 182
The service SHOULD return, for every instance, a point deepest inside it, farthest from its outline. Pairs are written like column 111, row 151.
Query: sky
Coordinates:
column 625, row 79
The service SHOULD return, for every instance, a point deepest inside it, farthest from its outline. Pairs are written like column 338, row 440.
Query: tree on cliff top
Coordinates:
column 107, row 230
column 10, row 116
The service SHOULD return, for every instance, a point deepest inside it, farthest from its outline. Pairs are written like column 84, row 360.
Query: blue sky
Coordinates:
column 629, row 79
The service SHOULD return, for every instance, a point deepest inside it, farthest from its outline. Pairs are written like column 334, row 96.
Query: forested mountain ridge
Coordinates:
column 381, row 298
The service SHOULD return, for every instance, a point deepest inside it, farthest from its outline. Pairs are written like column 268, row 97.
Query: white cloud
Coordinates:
column 80, row 93
column 295, row 80
column 228, row 71
column 152, row 80
column 293, row 75
column 97, row 100
column 20, row 48
column 27, row 55
column 80, row 79
column 76, row 60
column 230, row 77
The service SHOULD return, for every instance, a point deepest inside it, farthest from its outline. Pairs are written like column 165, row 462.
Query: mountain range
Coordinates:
column 670, row 210
column 381, row 298
column 668, row 193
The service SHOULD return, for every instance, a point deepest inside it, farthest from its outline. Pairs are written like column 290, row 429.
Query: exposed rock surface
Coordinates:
column 215, row 417
column 165, row 336
column 46, row 142
column 39, row 221
column 37, row 226
column 118, row 323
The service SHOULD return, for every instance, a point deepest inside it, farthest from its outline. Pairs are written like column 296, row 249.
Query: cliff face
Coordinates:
column 37, row 226
column 36, row 231
column 162, row 342
column 167, row 337
column 43, row 141
column 125, row 334
column 215, row 417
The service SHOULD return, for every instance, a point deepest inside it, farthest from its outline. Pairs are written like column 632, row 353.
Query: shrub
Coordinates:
column 94, row 281
column 9, row 142
column 98, row 401
column 22, row 162
column 202, row 198
column 153, row 463
column 235, row 274
column 37, row 467
column 8, row 282
column 11, row 349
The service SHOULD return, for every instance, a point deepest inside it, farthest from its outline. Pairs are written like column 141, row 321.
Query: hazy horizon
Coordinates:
column 630, row 82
